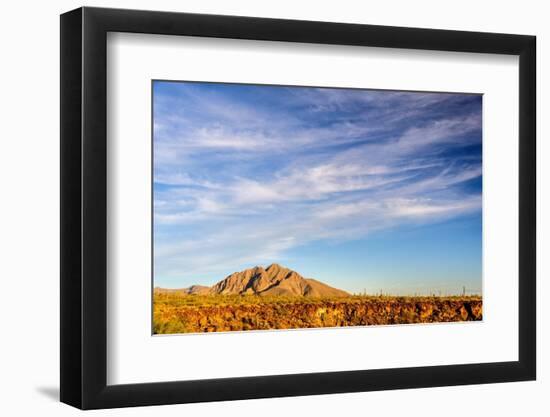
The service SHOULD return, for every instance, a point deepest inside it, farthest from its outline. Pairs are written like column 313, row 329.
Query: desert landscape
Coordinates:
column 277, row 297
column 370, row 199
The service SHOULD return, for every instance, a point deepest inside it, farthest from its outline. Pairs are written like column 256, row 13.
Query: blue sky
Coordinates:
column 365, row 190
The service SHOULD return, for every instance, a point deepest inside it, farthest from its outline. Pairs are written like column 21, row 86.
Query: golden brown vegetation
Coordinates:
column 181, row 313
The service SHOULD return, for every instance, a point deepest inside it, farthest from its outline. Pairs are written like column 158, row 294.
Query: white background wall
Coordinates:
column 29, row 226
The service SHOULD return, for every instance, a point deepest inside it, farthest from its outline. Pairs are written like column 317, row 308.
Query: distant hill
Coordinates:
column 194, row 289
column 275, row 280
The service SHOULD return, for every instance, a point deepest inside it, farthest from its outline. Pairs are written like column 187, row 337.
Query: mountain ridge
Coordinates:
column 275, row 280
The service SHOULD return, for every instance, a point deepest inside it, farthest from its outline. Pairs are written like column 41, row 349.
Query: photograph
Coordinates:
column 293, row 207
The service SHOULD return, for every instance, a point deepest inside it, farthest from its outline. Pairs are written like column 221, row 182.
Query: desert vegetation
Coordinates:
column 178, row 312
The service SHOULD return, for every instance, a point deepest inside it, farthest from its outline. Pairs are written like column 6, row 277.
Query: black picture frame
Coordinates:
column 84, row 207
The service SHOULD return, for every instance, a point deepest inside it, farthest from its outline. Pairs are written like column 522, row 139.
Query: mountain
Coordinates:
column 272, row 281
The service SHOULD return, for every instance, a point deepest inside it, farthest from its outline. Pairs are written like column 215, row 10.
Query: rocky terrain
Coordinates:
column 192, row 314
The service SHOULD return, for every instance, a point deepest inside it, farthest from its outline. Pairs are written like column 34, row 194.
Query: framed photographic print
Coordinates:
column 258, row 207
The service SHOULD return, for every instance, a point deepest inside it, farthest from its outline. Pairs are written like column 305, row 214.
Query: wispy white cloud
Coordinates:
column 237, row 182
